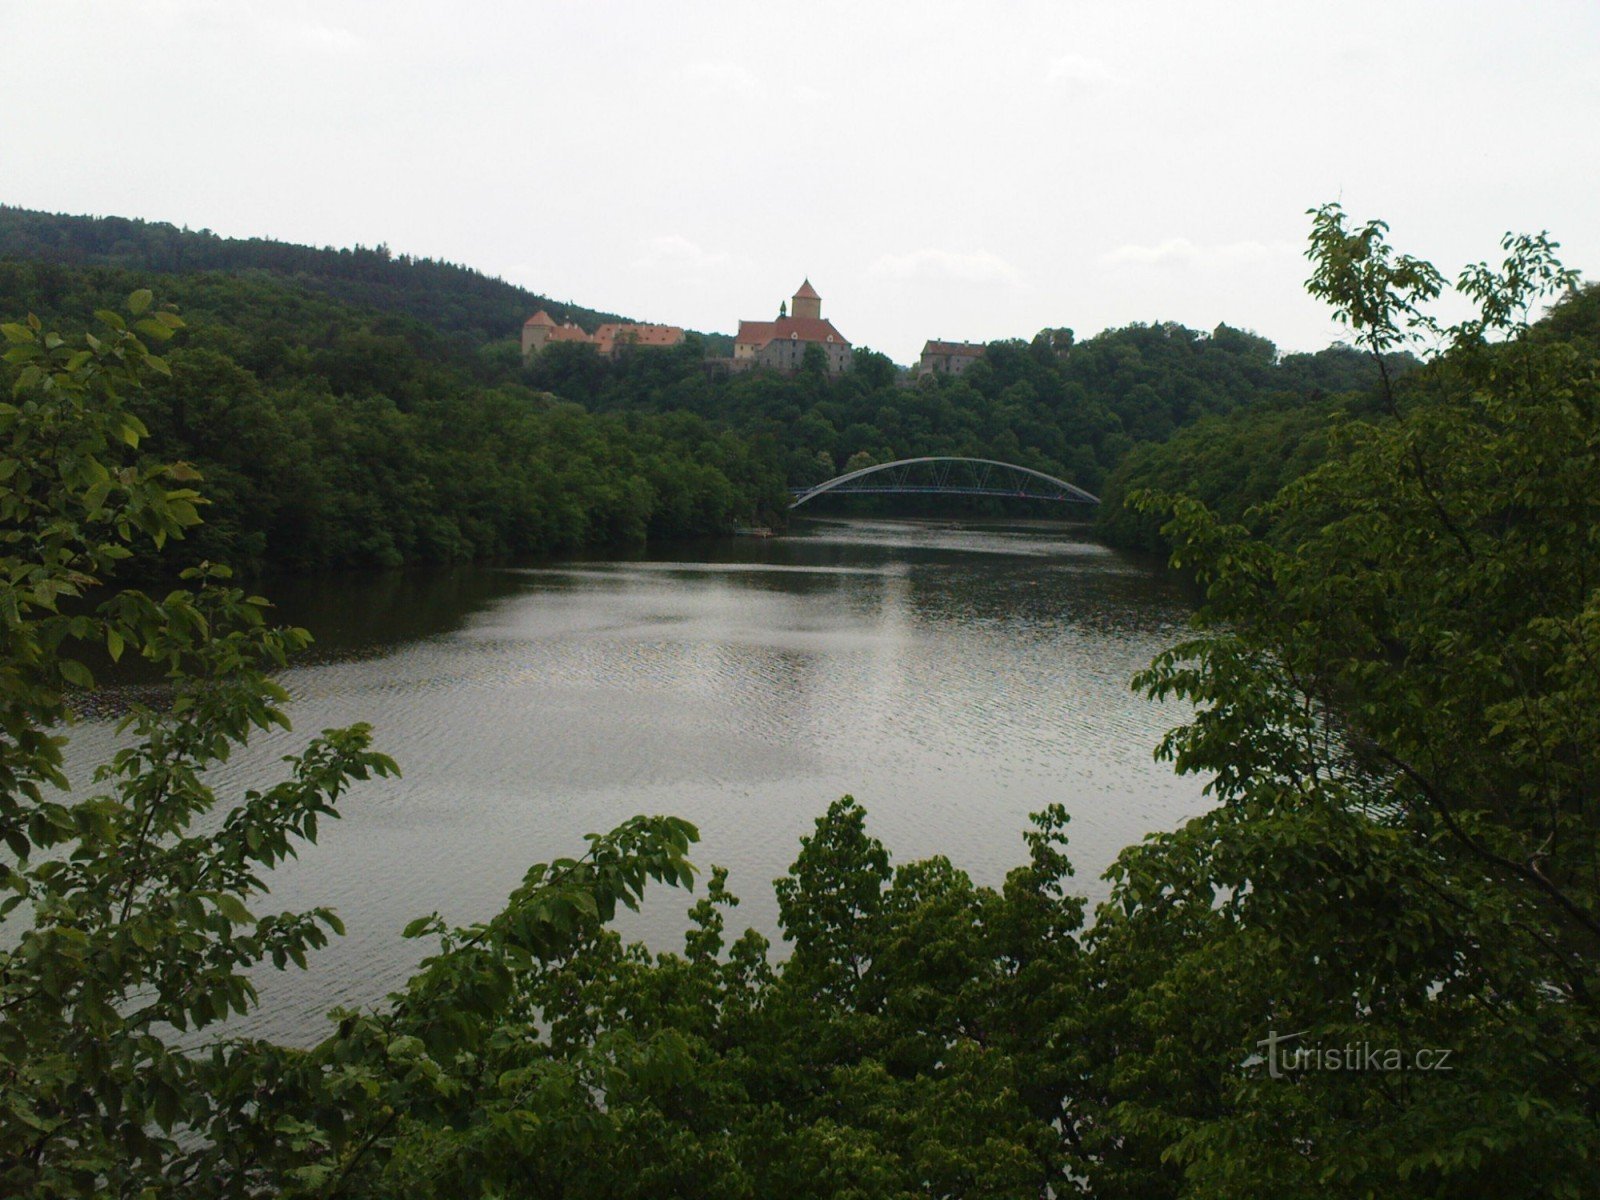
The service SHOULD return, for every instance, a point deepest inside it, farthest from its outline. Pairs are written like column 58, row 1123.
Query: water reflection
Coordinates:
column 355, row 615
column 953, row 678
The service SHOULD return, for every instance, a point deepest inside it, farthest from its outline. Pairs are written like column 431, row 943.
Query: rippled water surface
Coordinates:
column 952, row 677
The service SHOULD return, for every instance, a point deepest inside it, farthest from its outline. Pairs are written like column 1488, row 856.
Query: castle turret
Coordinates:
column 536, row 332
column 807, row 303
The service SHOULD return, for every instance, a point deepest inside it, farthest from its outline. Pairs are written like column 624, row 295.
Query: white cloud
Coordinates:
column 236, row 25
column 322, row 39
column 943, row 266
column 1183, row 254
column 721, row 77
column 681, row 256
column 249, row 25
column 1080, row 71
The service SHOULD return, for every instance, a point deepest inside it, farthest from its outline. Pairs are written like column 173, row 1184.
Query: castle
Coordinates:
column 781, row 344
column 778, row 345
column 540, row 330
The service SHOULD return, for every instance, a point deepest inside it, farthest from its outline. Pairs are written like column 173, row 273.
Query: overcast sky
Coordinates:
column 955, row 170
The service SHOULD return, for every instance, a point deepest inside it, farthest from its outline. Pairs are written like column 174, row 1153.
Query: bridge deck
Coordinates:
column 933, row 490
column 1026, row 483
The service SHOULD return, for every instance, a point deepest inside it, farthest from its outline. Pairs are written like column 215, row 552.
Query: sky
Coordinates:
column 963, row 171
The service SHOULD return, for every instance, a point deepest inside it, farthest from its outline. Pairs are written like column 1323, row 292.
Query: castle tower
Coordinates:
column 807, row 303
column 536, row 332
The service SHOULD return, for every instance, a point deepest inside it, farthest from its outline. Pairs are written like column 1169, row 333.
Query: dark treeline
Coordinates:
column 332, row 436
column 448, row 297
column 1235, row 461
column 1239, row 460
column 1055, row 404
column 355, row 408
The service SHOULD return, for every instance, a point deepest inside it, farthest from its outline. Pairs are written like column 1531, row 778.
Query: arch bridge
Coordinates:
column 941, row 476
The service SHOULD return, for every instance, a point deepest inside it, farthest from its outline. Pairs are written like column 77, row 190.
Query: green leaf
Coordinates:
column 231, row 907
column 140, row 301
column 75, row 672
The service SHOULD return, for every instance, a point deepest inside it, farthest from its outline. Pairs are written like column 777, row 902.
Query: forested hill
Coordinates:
column 1239, row 459
column 450, row 298
column 1067, row 407
column 346, row 411
column 331, row 435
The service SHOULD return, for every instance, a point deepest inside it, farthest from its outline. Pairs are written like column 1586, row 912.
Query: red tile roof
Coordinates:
column 610, row 334
column 754, row 333
column 539, row 318
column 804, row 329
column 807, row 292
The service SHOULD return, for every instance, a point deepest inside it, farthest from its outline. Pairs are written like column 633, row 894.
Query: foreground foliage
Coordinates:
column 1396, row 694
column 1397, row 688
column 531, row 1053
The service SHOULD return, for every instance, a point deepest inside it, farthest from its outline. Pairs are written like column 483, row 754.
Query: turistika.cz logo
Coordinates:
column 1282, row 1059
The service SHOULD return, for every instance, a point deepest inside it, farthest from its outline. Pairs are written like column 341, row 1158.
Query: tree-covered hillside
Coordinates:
column 1237, row 461
column 1071, row 408
column 352, row 408
column 332, row 435
column 449, row 298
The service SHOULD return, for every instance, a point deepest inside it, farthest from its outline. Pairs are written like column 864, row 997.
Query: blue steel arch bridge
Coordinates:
column 941, row 476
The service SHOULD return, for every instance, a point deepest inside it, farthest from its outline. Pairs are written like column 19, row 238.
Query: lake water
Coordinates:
column 953, row 677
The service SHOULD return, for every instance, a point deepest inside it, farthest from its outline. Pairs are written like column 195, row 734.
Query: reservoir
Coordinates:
column 952, row 676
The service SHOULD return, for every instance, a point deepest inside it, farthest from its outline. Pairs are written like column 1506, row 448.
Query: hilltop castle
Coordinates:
column 781, row 344
column 540, row 330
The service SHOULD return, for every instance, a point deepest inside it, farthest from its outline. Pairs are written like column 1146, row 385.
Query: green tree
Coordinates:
column 138, row 918
column 126, row 902
column 1396, row 696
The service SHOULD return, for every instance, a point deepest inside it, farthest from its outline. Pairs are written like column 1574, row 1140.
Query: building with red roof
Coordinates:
column 781, row 344
column 615, row 336
column 540, row 330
